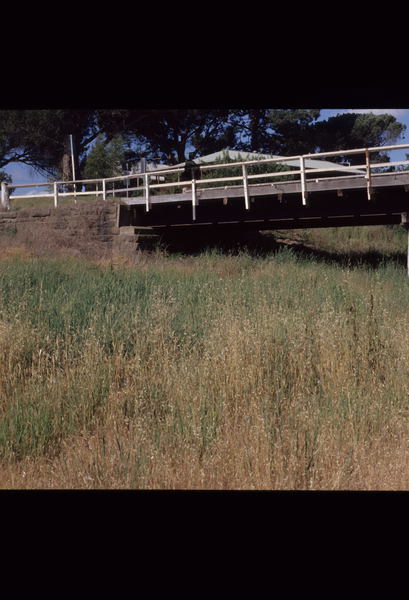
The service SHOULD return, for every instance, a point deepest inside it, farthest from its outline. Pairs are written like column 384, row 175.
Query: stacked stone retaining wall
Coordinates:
column 96, row 220
column 89, row 229
column 77, row 227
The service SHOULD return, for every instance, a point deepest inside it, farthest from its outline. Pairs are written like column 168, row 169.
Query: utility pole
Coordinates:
column 73, row 167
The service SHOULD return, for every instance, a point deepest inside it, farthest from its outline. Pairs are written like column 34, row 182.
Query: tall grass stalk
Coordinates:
column 215, row 371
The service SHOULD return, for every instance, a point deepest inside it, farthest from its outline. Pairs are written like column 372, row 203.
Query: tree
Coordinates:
column 5, row 177
column 39, row 137
column 293, row 131
column 251, row 128
column 298, row 131
column 105, row 159
column 275, row 131
column 252, row 169
column 357, row 130
column 170, row 134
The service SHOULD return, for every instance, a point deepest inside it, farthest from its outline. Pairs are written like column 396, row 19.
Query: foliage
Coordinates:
column 5, row 177
column 39, row 137
column 290, row 131
column 251, row 169
column 352, row 130
column 168, row 134
column 105, row 159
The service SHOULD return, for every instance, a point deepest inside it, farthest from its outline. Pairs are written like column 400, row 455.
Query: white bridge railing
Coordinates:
column 367, row 167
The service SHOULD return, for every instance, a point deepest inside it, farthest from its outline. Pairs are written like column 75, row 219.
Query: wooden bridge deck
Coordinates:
column 326, row 202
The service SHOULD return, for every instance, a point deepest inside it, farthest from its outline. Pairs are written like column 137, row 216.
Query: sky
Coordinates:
column 24, row 174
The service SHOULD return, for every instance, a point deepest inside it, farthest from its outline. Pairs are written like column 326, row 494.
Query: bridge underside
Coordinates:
column 330, row 202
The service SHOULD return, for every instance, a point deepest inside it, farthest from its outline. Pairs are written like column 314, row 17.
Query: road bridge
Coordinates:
column 329, row 202
column 371, row 193
column 258, row 194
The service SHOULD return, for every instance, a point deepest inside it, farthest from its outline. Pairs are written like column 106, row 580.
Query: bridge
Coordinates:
column 312, row 198
column 256, row 194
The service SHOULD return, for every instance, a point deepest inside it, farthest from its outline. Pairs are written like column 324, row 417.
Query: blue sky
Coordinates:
column 23, row 174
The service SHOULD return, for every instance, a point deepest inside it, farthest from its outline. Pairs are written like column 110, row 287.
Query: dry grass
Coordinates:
column 48, row 202
column 203, row 372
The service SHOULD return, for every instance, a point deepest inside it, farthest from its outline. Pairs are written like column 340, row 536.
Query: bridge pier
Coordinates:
column 131, row 240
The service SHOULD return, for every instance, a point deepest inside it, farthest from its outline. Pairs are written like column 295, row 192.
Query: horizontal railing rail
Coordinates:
column 244, row 177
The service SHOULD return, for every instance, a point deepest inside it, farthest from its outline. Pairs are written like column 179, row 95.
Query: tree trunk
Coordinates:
column 66, row 167
column 181, row 147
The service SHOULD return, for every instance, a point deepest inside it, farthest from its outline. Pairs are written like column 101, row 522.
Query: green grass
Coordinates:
column 48, row 202
column 287, row 370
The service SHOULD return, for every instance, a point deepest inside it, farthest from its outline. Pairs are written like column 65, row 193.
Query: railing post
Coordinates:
column 194, row 199
column 5, row 199
column 147, row 192
column 405, row 223
column 104, row 190
column 246, row 188
column 55, row 194
column 368, row 174
column 303, row 183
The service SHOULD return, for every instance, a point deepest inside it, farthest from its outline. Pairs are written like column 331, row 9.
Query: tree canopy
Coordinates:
column 357, row 130
column 105, row 158
column 170, row 135
column 279, row 131
column 39, row 137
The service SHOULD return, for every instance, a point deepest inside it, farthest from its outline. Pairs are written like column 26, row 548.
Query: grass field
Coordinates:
column 48, row 201
column 286, row 369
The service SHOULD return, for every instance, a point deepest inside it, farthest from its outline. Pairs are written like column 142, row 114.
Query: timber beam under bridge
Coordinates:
column 327, row 202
